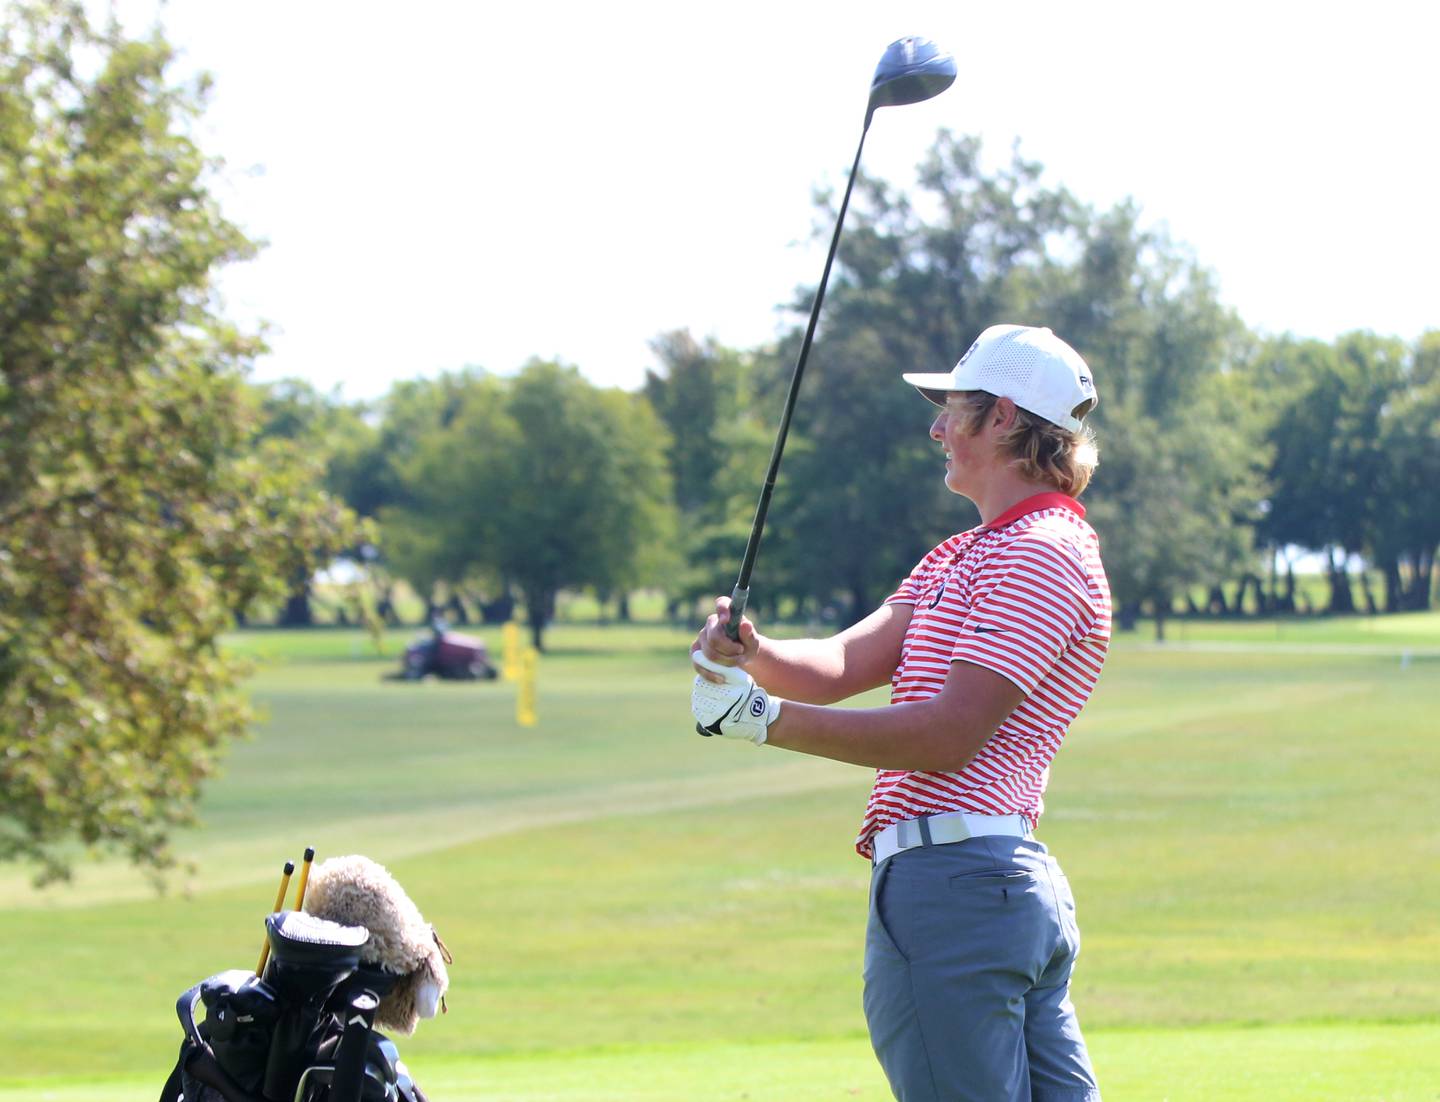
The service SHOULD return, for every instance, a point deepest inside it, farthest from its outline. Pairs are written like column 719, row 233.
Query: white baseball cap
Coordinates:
column 1032, row 367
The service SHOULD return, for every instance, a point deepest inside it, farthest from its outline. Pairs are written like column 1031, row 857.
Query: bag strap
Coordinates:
column 197, row 1059
column 170, row 1092
column 185, row 1011
column 200, row 1064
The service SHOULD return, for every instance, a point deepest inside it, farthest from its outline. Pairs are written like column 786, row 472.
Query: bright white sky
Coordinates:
column 452, row 184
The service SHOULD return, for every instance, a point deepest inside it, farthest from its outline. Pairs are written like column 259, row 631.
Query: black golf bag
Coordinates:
column 304, row 1032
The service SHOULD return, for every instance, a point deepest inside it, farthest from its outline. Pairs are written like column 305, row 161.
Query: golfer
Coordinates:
column 991, row 647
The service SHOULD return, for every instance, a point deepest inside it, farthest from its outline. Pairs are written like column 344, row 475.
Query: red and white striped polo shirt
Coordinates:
column 1025, row 596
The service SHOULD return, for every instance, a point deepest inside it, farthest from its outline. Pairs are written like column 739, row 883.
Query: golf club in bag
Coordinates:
column 911, row 70
column 303, row 1031
column 301, row 1027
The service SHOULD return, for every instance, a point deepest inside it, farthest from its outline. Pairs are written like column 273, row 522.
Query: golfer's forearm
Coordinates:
column 810, row 670
column 914, row 736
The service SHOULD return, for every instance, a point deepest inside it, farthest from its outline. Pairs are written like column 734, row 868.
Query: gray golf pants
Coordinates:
column 967, row 975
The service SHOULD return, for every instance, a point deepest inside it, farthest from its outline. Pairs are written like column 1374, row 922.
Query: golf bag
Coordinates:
column 304, row 1032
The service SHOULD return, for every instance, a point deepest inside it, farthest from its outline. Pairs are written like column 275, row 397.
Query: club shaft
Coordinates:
column 740, row 596
column 304, row 878
column 279, row 906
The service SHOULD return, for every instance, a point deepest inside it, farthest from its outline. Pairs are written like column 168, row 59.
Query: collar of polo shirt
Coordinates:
column 1052, row 500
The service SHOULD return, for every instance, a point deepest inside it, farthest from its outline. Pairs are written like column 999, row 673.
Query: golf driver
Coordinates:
column 911, row 70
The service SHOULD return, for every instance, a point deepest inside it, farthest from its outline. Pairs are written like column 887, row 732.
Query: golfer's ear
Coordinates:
column 1004, row 414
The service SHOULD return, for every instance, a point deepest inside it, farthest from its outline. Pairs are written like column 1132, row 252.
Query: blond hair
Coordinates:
column 1041, row 450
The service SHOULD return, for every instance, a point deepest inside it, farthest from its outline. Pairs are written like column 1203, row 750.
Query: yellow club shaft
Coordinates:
column 279, row 905
column 304, row 878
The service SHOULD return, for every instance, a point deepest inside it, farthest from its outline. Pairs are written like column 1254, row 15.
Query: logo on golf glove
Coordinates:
column 737, row 709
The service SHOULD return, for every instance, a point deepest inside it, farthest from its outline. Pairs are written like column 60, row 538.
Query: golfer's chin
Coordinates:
column 953, row 485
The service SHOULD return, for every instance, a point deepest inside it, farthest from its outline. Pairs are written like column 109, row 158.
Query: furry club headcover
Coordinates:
column 356, row 891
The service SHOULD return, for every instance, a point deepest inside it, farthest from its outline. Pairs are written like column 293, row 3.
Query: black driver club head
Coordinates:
column 912, row 69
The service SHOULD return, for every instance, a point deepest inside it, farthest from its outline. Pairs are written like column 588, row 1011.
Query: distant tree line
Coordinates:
column 1219, row 447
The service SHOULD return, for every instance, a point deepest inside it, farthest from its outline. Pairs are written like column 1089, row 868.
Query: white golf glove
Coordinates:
column 737, row 709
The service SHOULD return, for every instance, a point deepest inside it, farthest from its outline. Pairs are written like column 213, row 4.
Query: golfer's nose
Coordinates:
column 937, row 428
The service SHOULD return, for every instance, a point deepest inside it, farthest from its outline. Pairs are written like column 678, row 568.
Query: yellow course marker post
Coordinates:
column 510, row 656
column 279, row 906
column 525, row 699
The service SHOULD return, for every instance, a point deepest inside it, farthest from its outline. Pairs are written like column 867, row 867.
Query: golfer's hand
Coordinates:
column 730, row 703
column 718, row 648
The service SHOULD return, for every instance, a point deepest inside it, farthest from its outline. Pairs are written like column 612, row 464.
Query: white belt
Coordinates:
column 939, row 830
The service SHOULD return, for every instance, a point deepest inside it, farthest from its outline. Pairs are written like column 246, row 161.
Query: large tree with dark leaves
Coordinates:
column 862, row 495
column 1355, row 470
column 716, row 451
column 136, row 514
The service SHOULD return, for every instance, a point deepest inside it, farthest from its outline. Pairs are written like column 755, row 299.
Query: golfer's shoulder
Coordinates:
column 1054, row 540
column 945, row 552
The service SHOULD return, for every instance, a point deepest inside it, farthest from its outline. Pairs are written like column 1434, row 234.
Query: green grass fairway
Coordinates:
column 1251, row 827
column 1415, row 631
column 1337, row 1063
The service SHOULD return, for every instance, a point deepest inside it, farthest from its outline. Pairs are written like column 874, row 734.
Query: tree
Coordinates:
column 1346, row 462
column 1179, row 485
column 135, row 517
column 1172, row 509
column 691, row 395
column 861, row 493
column 545, row 482
column 1395, row 459
column 863, row 490
column 716, row 451
column 441, row 441
column 605, row 491
column 1411, row 443
column 328, row 433
column 373, row 471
